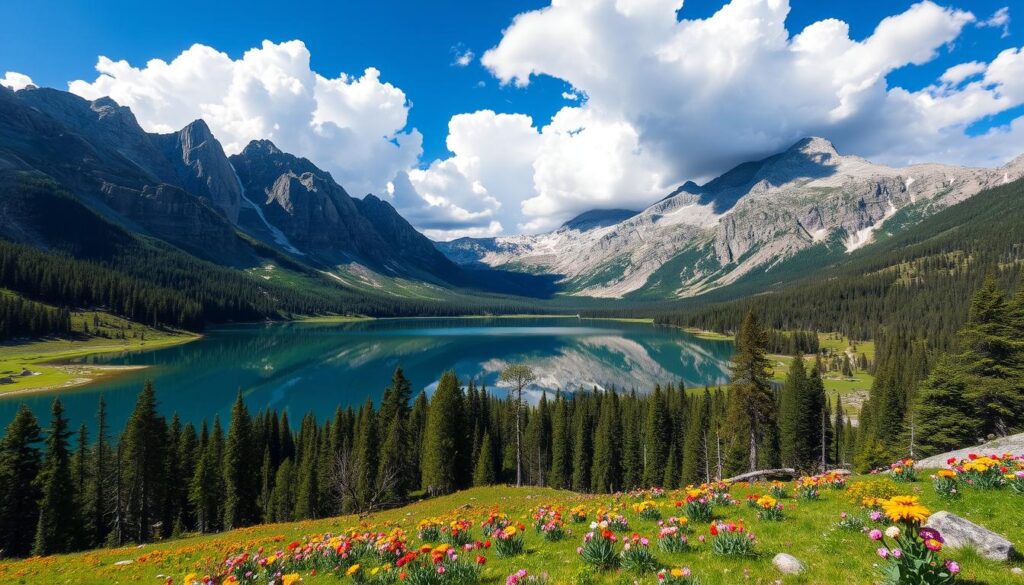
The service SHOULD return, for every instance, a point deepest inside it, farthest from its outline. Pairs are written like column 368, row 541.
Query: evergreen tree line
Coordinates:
column 793, row 342
column 924, row 402
column 23, row 318
column 61, row 491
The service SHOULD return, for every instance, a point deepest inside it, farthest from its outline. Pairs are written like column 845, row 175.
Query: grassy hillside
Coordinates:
column 92, row 332
column 809, row 531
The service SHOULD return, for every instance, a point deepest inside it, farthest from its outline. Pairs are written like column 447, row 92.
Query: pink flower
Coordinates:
column 897, row 553
column 876, row 516
column 875, row 534
column 883, row 552
column 953, row 567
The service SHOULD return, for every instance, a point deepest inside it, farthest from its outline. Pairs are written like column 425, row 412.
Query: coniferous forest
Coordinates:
column 158, row 477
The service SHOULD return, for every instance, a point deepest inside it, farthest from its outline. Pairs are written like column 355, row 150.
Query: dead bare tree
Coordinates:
column 346, row 470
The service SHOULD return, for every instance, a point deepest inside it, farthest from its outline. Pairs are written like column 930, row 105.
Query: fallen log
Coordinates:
column 782, row 473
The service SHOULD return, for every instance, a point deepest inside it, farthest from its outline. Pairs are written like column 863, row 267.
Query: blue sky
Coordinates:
column 414, row 46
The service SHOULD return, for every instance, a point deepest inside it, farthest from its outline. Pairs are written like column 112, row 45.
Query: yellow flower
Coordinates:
column 510, row 531
column 292, row 578
column 191, row 578
column 949, row 473
column 905, row 509
column 352, row 570
column 677, row 572
column 271, row 559
column 766, row 501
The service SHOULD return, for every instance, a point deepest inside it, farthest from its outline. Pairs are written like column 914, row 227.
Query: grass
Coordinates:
column 709, row 335
column 46, row 358
column 807, row 532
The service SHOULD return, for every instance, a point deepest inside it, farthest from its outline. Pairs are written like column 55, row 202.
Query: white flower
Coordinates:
column 892, row 531
column 593, row 525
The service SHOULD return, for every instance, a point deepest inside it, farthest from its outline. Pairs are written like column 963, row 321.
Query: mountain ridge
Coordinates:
column 754, row 216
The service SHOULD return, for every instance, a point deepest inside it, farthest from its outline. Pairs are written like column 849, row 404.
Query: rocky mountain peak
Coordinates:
column 814, row 145
column 261, row 147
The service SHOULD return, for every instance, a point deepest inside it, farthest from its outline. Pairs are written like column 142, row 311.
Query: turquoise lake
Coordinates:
column 310, row 367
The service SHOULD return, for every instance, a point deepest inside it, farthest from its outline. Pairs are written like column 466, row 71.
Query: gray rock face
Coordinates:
column 788, row 564
column 321, row 219
column 961, row 533
column 1013, row 444
column 202, row 168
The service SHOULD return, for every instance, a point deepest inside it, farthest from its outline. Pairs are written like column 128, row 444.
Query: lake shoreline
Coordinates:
column 51, row 370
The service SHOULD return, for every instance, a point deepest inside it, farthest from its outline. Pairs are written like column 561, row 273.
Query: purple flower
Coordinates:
column 875, row 534
column 953, row 567
column 930, row 534
column 897, row 553
column 876, row 516
column 883, row 552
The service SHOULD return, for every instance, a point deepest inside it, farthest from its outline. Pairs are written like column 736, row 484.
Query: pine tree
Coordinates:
column 657, row 438
column 752, row 412
column 282, row 498
column 80, row 478
column 58, row 515
column 582, row 453
column 993, row 354
column 308, row 484
column 20, row 463
column 394, row 417
column 793, row 402
column 417, row 430
column 239, row 480
column 696, row 459
column 605, row 474
column 561, row 456
column 365, row 455
column 143, row 466
column 266, row 487
column 99, row 478
column 444, row 437
column 483, row 474
column 942, row 411
column 203, row 492
column 838, row 431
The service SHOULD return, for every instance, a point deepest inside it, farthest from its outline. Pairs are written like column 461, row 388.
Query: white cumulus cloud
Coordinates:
column 671, row 99
column 351, row 125
column 15, row 80
column 1000, row 19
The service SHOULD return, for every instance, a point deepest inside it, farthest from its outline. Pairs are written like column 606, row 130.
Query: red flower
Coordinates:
column 972, row 456
column 951, row 461
column 480, row 559
column 714, row 530
column 487, row 543
column 294, row 545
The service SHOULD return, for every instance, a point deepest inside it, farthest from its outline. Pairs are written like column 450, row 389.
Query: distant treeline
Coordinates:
column 22, row 318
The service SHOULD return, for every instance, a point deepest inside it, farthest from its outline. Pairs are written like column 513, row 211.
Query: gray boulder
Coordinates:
column 1013, row 444
column 788, row 564
column 961, row 533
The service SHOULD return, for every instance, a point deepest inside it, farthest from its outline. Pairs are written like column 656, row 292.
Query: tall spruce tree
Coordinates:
column 483, row 473
column 657, row 438
column 20, row 463
column 752, row 410
column 444, row 437
column 561, row 455
column 58, row 516
column 240, row 483
column 143, row 446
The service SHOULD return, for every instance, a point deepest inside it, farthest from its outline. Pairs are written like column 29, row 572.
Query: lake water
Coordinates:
column 311, row 367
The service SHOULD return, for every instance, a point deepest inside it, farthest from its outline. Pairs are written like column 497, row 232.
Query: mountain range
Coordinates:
column 753, row 218
column 264, row 208
column 183, row 189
